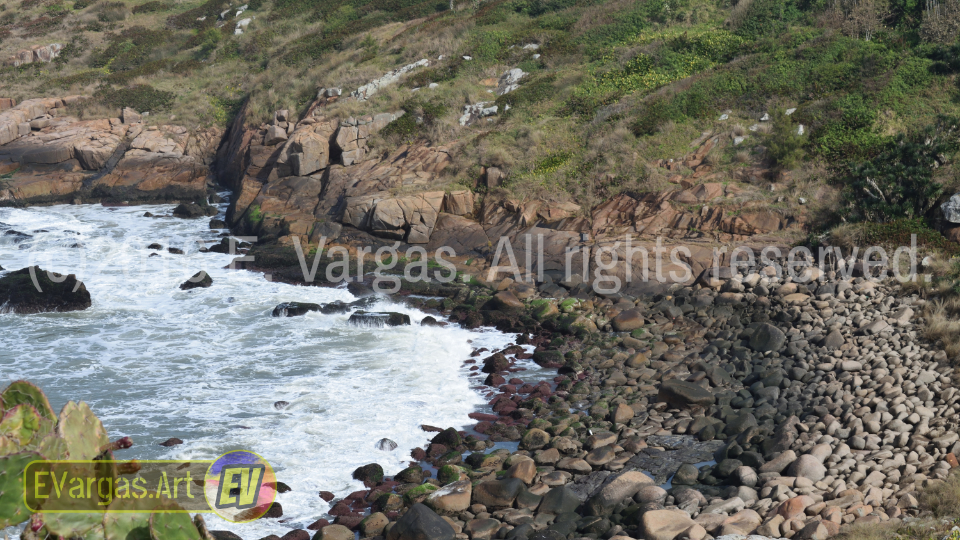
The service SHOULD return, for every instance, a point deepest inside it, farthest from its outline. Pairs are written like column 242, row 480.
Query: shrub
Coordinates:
column 785, row 144
column 143, row 98
column 418, row 115
column 653, row 114
column 149, row 7
column 536, row 90
column 899, row 182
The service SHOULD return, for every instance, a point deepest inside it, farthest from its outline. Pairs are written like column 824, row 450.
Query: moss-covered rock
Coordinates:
column 448, row 474
column 418, row 494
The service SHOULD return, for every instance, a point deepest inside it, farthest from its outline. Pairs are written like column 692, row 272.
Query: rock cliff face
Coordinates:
column 311, row 177
column 48, row 156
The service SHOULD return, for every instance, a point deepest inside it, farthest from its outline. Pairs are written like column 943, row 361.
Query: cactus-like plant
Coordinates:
column 82, row 431
column 170, row 526
column 30, row 431
column 20, row 424
column 129, row 519
column 13, row 509
column 22, row 392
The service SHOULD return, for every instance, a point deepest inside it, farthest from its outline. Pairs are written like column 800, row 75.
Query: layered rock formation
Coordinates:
column 37, row 53
column 48, row 156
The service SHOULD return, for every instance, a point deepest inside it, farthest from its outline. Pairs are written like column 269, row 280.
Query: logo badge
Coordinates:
column 240, row 486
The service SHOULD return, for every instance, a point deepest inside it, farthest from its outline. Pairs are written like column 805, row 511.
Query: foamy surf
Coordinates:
column 207, row 365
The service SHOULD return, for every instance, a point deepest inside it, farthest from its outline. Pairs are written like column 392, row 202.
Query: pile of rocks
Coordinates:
column 747, row 403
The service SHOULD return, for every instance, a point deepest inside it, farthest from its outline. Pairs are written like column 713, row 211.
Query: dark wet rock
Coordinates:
column 294, row 309
column 175, row 251
column 155, row 246
column 495, row 363
column 281, row 405
column 767, row 337
column 379, row 319
column 283, row 488
column 57, row 293
column 683, row 394
column 678, row 449
column 275, row 511
column 297, row 534
column 448, row 437
column 193, row 210
column 200, row 280
column 559, row 500
column 218, row 224
column 370, row 475
column 430, row 321
column 411, row 475
column 327, row 496
column 317, row 525
column 173, row 441
column 16, row 236
column 225, row 535
column 421, row 523
column 497, row 493
column 360, row 290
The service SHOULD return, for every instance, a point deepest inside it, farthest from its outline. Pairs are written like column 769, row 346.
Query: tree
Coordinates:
column 899, row 182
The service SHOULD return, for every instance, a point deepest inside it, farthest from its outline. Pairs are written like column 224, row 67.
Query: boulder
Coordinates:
column 57, row 293
column 682, row 394
column 623, row 486
column 452, row 498
column 370, row 475
column 294, row 309
column 743, row 522
column 622, row 414
column 482, row 529
column 559, row 500
column 386, row 445
column 200, row 280
column 951, row 209
column 665, row 524
column 379, row 319
column 193, row 210
column 420, row 523
column 334, row 532
column 497, row 493
column 808, row 466
column 373, row 525
column 767, row 338
column 535, row 439
column 627, row 320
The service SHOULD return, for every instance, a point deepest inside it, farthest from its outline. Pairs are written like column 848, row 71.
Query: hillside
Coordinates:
column 705, row 121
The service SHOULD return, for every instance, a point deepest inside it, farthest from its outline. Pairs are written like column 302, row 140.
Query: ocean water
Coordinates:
column 207, row 365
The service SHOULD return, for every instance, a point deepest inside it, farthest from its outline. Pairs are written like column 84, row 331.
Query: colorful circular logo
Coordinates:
column 240, row 486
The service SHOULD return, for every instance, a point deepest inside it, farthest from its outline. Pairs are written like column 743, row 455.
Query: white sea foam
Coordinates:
column 207, row 365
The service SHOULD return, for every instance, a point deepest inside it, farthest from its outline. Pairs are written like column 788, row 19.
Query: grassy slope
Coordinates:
column 619, row 83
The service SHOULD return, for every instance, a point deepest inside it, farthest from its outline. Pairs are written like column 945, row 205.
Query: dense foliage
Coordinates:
column 899, row 182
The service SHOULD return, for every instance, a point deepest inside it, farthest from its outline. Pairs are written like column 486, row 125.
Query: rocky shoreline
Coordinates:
column 742, row 404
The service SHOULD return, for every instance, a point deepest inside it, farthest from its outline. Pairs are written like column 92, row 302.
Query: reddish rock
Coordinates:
column 318, row 524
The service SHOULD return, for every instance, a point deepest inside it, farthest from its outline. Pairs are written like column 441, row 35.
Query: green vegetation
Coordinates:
column 610, row 86
column 899, row 181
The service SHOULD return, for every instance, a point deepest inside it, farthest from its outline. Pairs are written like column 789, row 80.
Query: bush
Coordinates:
column 143, row 98
column 418, row 115
column 899, row 182
column 785, row 145
column 653, row 114
column 149, row 7
column 536, row 90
